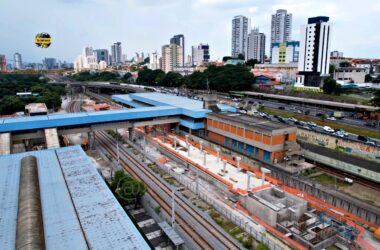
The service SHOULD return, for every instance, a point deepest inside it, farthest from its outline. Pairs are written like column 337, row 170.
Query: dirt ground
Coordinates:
column 104, row 165
column 363, row 193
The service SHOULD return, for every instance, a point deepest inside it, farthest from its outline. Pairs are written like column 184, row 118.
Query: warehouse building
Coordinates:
column 56, row 199
column 255, row 137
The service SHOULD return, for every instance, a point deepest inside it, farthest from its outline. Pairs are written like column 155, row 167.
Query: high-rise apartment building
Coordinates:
column 256, row 45
column 240, row 26
column 314, row 58
column 50, row 63
column 281, row 28
column 17, row 61
column 154, row 61
column 102, row 55
column 3, row 63
column 179, row 40
column 287, row 52
column 172, row 57
column 116, row 53
column 200, row 54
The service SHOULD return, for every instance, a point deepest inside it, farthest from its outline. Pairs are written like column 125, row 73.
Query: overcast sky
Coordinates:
column 145, row 25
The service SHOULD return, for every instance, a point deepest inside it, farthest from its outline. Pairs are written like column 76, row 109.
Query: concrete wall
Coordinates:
column 341, row 144
column 260, row 210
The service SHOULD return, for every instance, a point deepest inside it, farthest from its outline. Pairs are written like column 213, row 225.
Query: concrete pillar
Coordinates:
column 130, row 133
column 264, row 171
column 224, row 166
column 91, row 140
column 188, row 149
column 200, row 145
column 238, row 159
column 249, row 175
column 217, row 154
column 204, row 158
column 187, row 139
column 175, row 143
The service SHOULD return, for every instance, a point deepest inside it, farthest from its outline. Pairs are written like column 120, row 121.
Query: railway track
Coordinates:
column 341, row 175
column 201, row 240
column 74, row 105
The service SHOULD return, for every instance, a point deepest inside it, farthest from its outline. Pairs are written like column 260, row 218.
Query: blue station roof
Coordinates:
column 190, row 107
column 71, row 119
column 78, row 208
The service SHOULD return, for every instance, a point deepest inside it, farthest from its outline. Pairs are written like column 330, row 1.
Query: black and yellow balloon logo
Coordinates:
column 43, row 40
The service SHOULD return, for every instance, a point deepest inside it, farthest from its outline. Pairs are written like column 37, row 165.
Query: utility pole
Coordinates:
column 173, row 208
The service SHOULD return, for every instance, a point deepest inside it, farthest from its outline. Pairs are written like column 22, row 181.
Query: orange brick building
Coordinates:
column 255, row 137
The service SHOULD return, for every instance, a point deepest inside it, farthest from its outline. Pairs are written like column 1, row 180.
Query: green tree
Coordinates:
column 262, row 246
column 375, row 101
column 127, row 189
column 329, row 85
column 345, row 64
column 252, row 62
column 226, row 58
column 171, row 79
column 241, row 57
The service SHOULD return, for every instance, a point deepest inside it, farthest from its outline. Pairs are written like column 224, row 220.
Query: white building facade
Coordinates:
column 256, row 45
column 172, row 57
column 314, row 56
column 281, row 27
column 240, row 27
column 200, row 54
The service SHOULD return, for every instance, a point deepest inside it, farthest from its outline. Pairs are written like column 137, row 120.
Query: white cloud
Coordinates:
column 145, row 25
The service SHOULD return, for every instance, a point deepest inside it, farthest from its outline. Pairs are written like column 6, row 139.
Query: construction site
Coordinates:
column 211, row 171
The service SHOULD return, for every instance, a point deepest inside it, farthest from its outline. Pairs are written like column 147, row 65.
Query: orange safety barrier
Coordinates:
column 163, row 160
column 271, row 229
column 265, row 186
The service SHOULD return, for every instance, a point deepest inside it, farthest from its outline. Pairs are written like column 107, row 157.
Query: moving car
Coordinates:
column 331, row 118
column 328, row 129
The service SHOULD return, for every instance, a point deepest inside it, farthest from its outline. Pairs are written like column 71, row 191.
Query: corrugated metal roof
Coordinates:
column 190, row 107
column 85, row 203
column 67, row 119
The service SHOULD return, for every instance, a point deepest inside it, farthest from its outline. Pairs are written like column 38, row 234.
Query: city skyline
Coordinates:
column 141, row 26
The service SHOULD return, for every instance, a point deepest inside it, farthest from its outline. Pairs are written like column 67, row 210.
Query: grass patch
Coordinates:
column 232, row 229
column 325, row 179
column 347, row 128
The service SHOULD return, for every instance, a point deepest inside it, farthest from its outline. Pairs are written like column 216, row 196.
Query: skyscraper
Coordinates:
column 240, row 26
column 171, row 57
column 153, row 61
column 3, row 63
column 102, row 55
column 314, row 57
column 256, row 45
column 180, row 41
column 200, row 54
column 281, row 29
column 17, row 61
column 49, row 63
column 116, row 53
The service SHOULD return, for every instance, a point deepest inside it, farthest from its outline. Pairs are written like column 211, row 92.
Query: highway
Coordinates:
column 204, row 234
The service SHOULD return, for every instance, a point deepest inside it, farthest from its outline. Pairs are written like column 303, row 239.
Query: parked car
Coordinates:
column 339, row 134
column 362, row 138
column 292, row 119
column 313, row 124
column 328, row 129
column 341, row 131
column 331, row 118
column 318, row 114
column 281, row 107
